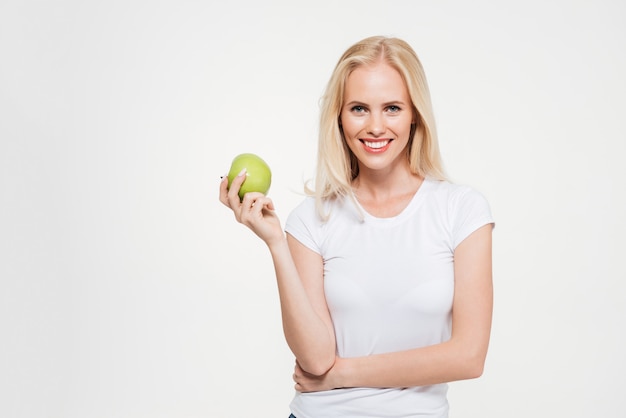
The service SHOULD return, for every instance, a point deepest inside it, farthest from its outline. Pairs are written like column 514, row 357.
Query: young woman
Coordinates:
column 384, row 273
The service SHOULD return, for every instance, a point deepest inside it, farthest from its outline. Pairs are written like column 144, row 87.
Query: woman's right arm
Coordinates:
column 306, row 321
column 299, row 274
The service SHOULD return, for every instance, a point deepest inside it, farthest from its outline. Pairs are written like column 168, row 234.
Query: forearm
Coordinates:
column 445, row 362
column 307, row 335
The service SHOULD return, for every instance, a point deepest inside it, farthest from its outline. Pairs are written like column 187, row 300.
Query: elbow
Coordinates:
column 318, row 370
column 318, row 366
column 475, row 370
column 473, row 366
column 470, row 359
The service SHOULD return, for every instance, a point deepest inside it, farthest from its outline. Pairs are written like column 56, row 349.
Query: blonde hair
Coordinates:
column 336, row 164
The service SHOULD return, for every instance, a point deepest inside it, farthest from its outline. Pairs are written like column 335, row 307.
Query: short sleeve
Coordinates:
column 469, row 210
column 303, row 224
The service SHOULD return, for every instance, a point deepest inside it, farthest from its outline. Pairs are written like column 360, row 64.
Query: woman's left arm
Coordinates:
column 461, row 357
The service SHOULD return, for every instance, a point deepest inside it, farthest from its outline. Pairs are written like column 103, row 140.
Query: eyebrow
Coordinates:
column 359, row 103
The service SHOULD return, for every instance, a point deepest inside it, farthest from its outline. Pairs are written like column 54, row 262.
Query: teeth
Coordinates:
column 376, row 145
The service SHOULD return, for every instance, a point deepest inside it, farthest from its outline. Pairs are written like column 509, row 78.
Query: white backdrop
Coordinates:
column 127, row 290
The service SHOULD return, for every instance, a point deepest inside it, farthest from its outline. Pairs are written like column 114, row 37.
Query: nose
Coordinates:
column 376, row 125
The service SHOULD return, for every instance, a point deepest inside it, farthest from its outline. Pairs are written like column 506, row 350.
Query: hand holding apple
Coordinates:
column 256, row 211
column 258, row 174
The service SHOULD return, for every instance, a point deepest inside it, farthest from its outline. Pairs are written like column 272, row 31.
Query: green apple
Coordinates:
column 258, row 174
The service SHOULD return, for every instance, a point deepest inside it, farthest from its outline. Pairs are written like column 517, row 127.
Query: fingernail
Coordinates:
column 241, row 173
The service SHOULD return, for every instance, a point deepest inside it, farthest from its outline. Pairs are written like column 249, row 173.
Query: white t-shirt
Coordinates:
column 389, row 285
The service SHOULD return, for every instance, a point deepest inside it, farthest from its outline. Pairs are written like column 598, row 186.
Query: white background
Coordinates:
column 127, row 290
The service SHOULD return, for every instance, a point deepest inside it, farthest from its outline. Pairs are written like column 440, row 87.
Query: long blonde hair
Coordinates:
column 336, row 164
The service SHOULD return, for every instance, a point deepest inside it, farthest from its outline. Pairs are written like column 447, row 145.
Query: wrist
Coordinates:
column 278, row 243
column 342, row 373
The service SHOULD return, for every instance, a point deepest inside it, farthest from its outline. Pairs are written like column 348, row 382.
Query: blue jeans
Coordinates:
column 292, row 416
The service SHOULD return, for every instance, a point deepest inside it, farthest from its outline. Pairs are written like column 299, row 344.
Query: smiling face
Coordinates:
column 376, row 117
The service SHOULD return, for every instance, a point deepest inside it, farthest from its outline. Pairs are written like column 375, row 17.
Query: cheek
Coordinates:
column 351, row 127
column 403, row 128
column 351, row 143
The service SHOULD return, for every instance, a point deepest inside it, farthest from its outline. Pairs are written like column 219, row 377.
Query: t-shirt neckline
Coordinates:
column 408, row 210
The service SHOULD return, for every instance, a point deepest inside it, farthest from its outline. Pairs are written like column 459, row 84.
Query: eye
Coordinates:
column 357, row 109
column 393, row 109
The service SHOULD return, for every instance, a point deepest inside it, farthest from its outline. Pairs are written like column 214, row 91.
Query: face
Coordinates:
column 376, row 117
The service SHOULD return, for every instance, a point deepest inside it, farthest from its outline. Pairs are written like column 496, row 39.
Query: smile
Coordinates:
column 376, row 146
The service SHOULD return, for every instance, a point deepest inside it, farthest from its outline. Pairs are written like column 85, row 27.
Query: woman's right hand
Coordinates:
column 255, row 210
column 300, row 278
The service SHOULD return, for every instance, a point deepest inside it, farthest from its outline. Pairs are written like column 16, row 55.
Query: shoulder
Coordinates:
column 454, row 195
column 448, row 188
column 305, row 206
column 306, row 224
column 464, row 208
column 305, row 211
column 325, row 212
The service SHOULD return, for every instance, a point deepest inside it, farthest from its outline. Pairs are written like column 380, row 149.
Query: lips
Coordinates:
column 376, row 146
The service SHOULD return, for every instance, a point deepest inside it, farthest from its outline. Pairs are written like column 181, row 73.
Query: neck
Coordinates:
column 381, row 187
column 386, row 197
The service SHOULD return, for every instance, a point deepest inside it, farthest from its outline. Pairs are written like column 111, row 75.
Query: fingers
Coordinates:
column 253, row 206
column 232, row 195
column 224, row 191
column 255, row 210
column 295, row 377
column 296, row 371
column 303, row 381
